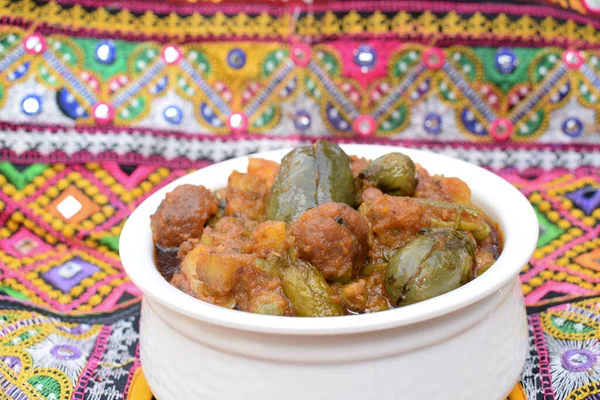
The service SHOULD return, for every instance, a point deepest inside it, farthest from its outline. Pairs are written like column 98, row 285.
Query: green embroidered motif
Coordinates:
column 133, row 108
column 266, row 117
column 13, row 293
column 446, row 91
column 106, row 71
column 568, row 326
column 395, row 119
column 465, row 63
column 329, row 62
column 272, row 61
column 65, row 52
column 7, row 42
column 199, row 62
column 112, row 242
column 532, row 124
column 543, row 66
column 145, row 55
column 487, row 56
column 405, row 61
column 548, row 231
column 311, row 88
column 46, row 386
column 21, row 179
column 22, row 337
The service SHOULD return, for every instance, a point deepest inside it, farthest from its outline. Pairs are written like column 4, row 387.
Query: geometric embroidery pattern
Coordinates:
column 566, row 263
column 69, row 264
column 103, row 104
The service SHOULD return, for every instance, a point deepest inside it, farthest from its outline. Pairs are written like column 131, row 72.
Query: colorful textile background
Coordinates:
column 103, row 102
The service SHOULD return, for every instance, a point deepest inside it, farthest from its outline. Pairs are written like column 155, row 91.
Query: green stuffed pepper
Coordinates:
column 308, row 177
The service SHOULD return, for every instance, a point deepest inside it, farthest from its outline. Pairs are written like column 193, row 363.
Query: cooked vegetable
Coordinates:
column 466, row 218
column 481, row 232
column 290, row 239
column 308, row 177
column 263, row 169
column 293, row 191
column 245, row 196
column 334, row 176
column 397, row 220
column 308, row 292
column 270, row 236
column 393, row 173
column 220, row 272
column 371, row 269
column 432, row 264
column 268, row 303
column 484, row 259
column 354, row 295
column 272, row 265
column 443, row 188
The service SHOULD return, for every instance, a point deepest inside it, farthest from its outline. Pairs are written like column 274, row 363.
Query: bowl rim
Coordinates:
column 507, row 205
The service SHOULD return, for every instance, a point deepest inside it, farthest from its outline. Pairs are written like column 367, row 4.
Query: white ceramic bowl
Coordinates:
column 469, row 344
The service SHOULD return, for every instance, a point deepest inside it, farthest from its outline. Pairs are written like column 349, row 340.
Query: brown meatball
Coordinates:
column 333, row 237
column 182, row 215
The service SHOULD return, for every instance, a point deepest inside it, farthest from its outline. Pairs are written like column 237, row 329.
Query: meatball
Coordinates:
column 182, row 215
column 333, row 237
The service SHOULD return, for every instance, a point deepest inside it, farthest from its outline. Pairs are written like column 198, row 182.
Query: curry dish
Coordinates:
column 323, row 234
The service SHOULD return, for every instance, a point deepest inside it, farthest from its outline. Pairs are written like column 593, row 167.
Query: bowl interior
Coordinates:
column 499, row 199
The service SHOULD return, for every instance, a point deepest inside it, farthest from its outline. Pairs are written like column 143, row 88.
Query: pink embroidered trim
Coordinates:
column 136, row 365
column 544, row 358
column 34, row 44
column 94, row 360
column 131, row 181
column 289, row 9
column 573, row 290
column 364, row 125
column 501, row 129
column 207, row 8
column 434, row 58
column 301, row 54
column 573, row 59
